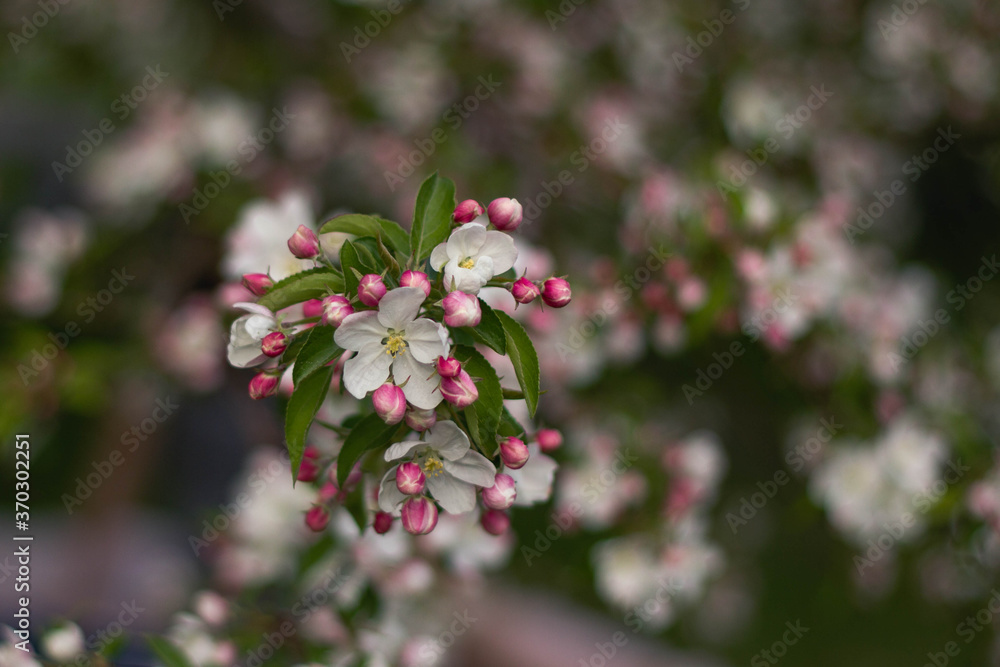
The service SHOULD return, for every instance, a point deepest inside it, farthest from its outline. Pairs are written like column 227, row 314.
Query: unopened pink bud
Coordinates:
column 416, row 279
column 514, row 453
column 274, row 344
column 421, row 420
column 501, row 495
column 257, row 283
column 263, row 385
column 390, row 403
column 419, row 515
column 461, row 310
column 308, row 469
column 410, row 478
column 382, row 523
column 304, row 243
column 524, row 290
column 495, row 522
column 312, row 308
column 556, row 292
column 317, row 518
column 327, row 492
column 371, row 289
column 448, row 367
column 548, row 439
column 505, row 214
column 335, row 309
column 460, row 390
column 467, row 211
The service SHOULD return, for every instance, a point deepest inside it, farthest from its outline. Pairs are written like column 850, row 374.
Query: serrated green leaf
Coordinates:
column 350, row 262
column 489, row 331
column 370, row 433
column 432, row 215
column 302, row 408
column 524, row 358
column 318, row 350
column 167, row 651
column 484, row 414
column 387, row 259
column 391, row 233
column 311, row 284
column 509, row 425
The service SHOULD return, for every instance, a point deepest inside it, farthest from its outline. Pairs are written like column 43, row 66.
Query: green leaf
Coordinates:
column 509, row 425
column 302, row 408
column 318, row 351
column 390, row 232
column 349, row 262
column 311, row 284
column 432, row 216
column 489, row 331
column 522, row 354
column 167, row 651
column 386, row 256
column 484, row 414
column 370, row 433
column 513, row 395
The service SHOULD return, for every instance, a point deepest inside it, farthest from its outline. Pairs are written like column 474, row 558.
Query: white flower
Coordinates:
column 452, row 469
column 63, row 643
column 246, row 334
column 533, row 481
column 258, row 241
column 393, row 337
column 472, row 256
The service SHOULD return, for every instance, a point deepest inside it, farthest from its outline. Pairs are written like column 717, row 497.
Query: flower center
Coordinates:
column 432, row 466
column 467, row 263
column 394, row 343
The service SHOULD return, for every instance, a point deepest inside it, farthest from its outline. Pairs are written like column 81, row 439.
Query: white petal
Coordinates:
column 258, row 326
column 401, row 449
column 466, row 241
column 420, row 391
column 399, row 306
column 455, row 496
column 390, row 498
column 465, row 280
column 534, row 480
column 366, row 370
column 426, row 340
column 448, row 439
column 254, row 308
column 439, row 256
column 473, row 468
column 358, row 330
column 484, row 269
column 501, row 248
column 245, row 356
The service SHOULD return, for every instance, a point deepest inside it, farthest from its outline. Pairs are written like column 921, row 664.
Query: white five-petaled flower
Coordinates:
column 472, row 256
column 246, row 334
column 393, row 337
column 451, row 468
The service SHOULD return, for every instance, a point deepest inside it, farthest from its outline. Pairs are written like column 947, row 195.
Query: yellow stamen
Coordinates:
column 433, row 466
column 467, row 263
column 394, row 343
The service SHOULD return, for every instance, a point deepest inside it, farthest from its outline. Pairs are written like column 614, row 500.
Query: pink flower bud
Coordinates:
column 421, row 420
column 274, row 344
column 524, row 290
column 460, row 390
column 382, row 523
column 308, row 470
column 390, row 403
column 501, row 495
column 505, row 214
column 327, row 492
column 335, row 309
column 419, row 515
column 312, row 308
column 371, row 289
column 448, row 367
column 556, row 292
column 263, row 385
column 495, row 522
column 304, row 243
column 461, row 310
column 416, row 279
column 257, row 283
column 317, row 518
column 514, row 453
column 548, row 439
column 410, row 478
column 467, row 211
